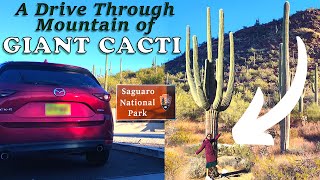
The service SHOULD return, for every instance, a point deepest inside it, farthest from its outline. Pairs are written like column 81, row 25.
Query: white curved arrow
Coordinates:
column 250, row 129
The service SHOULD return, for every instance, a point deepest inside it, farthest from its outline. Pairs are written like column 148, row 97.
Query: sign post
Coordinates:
column 145, row 102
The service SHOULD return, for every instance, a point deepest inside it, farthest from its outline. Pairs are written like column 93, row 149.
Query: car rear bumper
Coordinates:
column 63, row 146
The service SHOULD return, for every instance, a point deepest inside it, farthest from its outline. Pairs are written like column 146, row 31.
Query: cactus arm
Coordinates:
column 285, row 48
column 209, row 40
column 190, row 79
column 196, row 73
column 280, row 60
column 209, row 83
column 219, row 63
column 228, row 96
column 283, row 72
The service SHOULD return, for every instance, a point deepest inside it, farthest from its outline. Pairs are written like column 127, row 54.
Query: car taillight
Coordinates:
column 103, row 96
column 6, row 92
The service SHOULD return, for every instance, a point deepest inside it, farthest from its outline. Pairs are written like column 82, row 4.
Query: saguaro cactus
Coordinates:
column 154, row 65
column 315, row 84
column 110, row 68
column 120, row 70
column 106, row 75
column 94, row 70
column 285, row 77
column 301, row 103
column 208, row 94
column 279, row 65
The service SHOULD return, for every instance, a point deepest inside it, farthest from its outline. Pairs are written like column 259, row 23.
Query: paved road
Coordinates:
column 121, row 164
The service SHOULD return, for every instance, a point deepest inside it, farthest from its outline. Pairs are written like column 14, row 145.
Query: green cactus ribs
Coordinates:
column 207, row 91
column 284, row 77
column 315, row 85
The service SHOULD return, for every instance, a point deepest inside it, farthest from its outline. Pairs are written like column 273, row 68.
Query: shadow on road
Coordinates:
column 53, row 166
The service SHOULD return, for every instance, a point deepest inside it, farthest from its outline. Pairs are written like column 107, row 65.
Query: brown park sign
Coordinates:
column 145, row 102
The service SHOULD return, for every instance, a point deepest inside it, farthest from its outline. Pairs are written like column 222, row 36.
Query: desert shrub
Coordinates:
column 294, row 133
column 254, row 73
column 191, row 149
column 264, row 65
column 173, row 163
column 236, row 150
column 286, row 167
column 226, row 138
column 131, row 81
column 197, row 167
column 235, row 111
column 310, row 131
column 262, row 84
column 243, row 154
column 186, row 108
column 149, row 76
column 313, row 112
column 318, row 147
column 247, row 95
column 273, row 78
column 246, row 76
column 112, row 83
column 113, row 101
column 181, row 136
column 301, row 146
column 234, row 162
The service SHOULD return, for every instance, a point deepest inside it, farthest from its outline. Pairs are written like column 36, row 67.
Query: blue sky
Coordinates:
column 187, row 12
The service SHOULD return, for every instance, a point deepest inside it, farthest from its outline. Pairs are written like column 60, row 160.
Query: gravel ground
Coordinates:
column 148, row 142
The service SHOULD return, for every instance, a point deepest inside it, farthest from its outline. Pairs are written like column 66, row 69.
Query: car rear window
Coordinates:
column 47, row 77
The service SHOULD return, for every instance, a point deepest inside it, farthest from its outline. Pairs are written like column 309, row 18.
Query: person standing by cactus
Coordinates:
column 211, row 157
column 208, row 92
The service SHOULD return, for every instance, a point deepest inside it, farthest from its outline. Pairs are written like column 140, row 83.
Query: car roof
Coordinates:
column 42, row 64
column 28, row 64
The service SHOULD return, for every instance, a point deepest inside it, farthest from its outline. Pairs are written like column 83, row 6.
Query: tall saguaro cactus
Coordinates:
column 106, row 75
column 301, row 103
column 120, row 70
column 208, row 94
column 285, row 77
column 315, row 85
column 94, row 70
column 110, row 68
column 154, row 65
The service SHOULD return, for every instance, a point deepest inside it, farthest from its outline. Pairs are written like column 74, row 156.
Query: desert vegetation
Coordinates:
column 295, row 154
column 256, row 65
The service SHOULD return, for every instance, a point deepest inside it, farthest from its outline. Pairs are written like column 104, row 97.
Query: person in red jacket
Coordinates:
column 211, row 158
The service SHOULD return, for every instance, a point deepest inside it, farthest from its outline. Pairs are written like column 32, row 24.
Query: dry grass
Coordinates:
column 310, row 131
column 301, row 162
column 226, row 138
column 192, row 127
column 174, row 161
column 184, row 132
column 287, row 167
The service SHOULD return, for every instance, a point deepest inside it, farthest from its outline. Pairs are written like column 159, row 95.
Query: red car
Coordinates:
column 53, row 107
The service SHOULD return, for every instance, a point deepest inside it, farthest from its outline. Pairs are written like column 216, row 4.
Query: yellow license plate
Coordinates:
column 58, row 109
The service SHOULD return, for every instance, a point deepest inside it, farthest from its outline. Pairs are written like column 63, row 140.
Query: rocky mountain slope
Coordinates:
column 257, row 47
